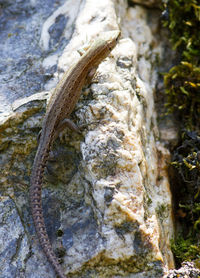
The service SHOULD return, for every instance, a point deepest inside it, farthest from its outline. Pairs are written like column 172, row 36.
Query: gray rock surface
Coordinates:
column 187, row 270
column 106, row 196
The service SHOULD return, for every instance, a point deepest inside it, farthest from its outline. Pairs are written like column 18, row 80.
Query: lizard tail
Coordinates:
column 37, row 212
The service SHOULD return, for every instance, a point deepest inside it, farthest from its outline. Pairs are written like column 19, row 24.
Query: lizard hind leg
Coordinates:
column 63, row 124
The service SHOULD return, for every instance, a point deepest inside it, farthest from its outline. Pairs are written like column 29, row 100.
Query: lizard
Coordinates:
column 62, row 102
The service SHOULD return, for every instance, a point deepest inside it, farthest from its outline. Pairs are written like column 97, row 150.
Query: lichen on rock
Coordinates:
column 106, row 196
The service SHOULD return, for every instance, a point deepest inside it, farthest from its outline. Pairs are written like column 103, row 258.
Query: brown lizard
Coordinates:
column 63, row 101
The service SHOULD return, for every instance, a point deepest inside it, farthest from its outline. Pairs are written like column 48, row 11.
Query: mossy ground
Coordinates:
column 182, row 84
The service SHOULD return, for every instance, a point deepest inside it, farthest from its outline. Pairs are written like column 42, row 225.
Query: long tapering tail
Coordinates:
column 37, row 212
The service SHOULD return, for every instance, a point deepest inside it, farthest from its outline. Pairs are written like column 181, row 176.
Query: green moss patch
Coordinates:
column 182, row 84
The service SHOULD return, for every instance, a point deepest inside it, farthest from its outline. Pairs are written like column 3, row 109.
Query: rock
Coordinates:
column 14, row 244
column 187, row 270
column 106, row 197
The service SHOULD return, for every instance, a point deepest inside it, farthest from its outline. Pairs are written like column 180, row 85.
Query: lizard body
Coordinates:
column 63, row 101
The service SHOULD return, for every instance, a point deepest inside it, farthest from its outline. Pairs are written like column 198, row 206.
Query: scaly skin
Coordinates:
column 62, row 103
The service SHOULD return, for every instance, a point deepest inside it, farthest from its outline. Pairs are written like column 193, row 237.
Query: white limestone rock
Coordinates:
column 107, row 202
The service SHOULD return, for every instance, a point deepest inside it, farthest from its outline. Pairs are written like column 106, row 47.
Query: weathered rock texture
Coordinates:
column 147, row 3
column 186, row 270
column 106, row 196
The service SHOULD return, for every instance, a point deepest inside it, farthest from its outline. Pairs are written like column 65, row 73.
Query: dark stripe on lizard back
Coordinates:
column 66, row 94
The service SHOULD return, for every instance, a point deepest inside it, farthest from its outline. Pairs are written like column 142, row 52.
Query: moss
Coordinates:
column 182, row 84
column 162, row 211
column 186, row 162
column 185, row 249
column 184, row 25
column 186, row 158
